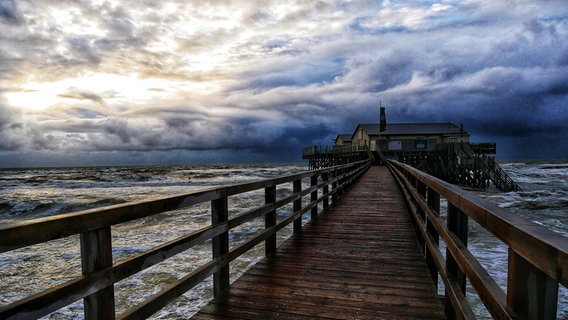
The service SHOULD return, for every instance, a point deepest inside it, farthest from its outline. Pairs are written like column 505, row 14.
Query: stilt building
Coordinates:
column 443, row 150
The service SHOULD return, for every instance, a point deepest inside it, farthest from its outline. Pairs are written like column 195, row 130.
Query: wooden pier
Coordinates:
column 360, row 260
column 371, row 250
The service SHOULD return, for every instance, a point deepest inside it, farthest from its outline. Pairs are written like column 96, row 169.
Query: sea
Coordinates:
column 31, row 193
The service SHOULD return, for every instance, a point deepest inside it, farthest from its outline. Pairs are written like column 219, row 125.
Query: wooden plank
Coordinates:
column 360, row 260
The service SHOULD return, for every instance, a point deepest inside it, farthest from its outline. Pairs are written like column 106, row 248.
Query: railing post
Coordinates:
column 420, row 215
column 334, row 186
column 270, row 219
column 414, row 182
column 220, row 213
column 433, row 200
column 314, row 196
column 325, row 178
column 531, row 294
column 458, row 224
column 96, row 254
column 297, row 189
column 341, row 180
column 421, row 189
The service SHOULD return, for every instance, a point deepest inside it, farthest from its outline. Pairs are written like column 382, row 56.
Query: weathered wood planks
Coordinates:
column 358, row 261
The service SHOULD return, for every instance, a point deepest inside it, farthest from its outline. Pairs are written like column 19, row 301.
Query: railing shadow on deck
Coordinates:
column 99, row 273
column 537, row 257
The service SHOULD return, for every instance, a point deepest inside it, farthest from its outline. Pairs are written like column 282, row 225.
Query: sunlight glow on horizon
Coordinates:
column 103, row 89
column 125, row 77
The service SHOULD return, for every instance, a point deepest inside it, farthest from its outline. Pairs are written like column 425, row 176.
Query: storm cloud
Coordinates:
column 134, row 82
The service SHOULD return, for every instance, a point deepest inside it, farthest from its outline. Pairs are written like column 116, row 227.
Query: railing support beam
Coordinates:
column 314, row 196
column 297, row 206
column 220, row 243
column 96, row 255
column 325, row 178
column 433, row 200
column 270, row 220
column 334, row 186
column 458, row 224
column 531, row 294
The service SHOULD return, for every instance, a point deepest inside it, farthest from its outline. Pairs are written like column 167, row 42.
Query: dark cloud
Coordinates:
column 83, row 50
column 228, row 81
column 16, row 126
column 119, row 128
column 10, row 130
column 117, row 20
column 9, row 12
column 386, row 69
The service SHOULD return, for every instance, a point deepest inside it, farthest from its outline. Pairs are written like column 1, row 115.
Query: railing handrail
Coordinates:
column 94, row 227
column 333, row 149
column 501, row 178
column 533, row 249
column 90, row 219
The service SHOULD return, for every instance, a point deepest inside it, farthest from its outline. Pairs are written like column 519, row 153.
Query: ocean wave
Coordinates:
column 539, row 205
column 554, row 167
column 5, row 208
column 39, row 209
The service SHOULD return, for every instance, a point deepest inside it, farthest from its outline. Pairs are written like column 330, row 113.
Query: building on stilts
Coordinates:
column 443, row 150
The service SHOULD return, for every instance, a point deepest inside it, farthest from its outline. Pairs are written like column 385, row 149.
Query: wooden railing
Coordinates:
column 537, row 262
column 333, row 150
column 99, row 274
column 329, row 156
column 500, row 178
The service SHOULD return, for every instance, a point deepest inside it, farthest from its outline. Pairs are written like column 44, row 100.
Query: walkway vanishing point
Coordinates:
column 367, row 244
column 361, row 260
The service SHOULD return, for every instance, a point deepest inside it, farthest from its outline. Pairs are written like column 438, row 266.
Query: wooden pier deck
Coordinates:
column 360, row 260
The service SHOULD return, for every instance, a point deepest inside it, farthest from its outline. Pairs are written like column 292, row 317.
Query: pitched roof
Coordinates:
column 412, row 129
column 344, row 137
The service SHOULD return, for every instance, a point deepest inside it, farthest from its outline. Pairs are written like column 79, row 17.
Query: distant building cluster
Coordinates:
column 440, row 149
column 399, row 138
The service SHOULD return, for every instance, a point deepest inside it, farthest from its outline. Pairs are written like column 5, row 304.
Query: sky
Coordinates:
column 179, row 82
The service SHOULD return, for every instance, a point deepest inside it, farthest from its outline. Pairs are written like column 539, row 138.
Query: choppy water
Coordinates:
column 31, row 193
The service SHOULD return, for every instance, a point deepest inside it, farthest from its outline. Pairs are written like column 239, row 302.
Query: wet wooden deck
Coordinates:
column 358, row 261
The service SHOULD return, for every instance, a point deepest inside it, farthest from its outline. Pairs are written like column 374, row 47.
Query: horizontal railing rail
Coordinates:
column 99, row 273
column 330, row 156
column 500, row 178
column 537, row 257
column 333, row 150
